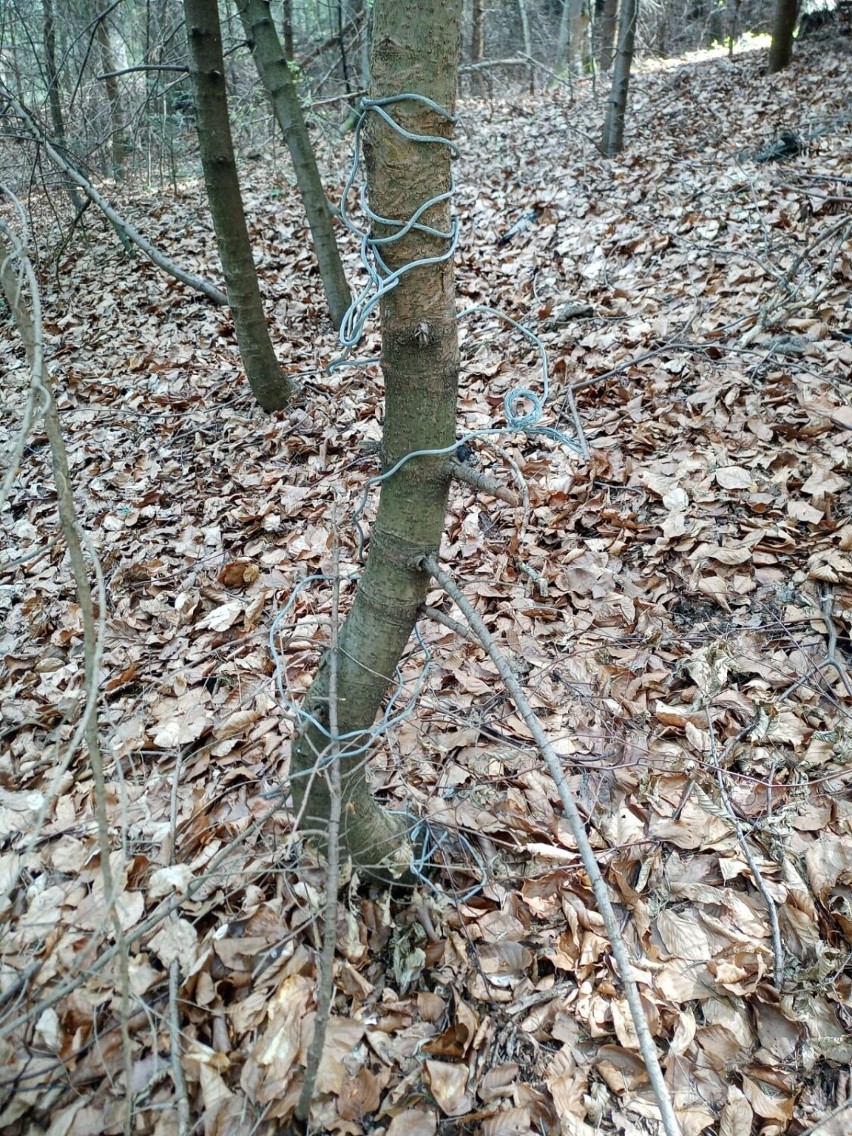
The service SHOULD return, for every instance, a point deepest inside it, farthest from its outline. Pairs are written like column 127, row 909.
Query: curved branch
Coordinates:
column 123, row 227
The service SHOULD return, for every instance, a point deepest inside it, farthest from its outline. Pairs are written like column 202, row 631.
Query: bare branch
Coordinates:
column 133, row 235
column 647, row 1047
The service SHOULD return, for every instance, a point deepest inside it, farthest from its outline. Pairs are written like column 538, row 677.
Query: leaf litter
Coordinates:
column 679, row 609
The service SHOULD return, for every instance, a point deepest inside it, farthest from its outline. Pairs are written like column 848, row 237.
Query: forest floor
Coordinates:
column 679, row 608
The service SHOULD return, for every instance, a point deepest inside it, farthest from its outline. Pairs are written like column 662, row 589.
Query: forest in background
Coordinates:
column 677, row 608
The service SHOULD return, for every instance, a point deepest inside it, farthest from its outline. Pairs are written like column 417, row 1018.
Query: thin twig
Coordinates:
column 445, row 620
column 29, row 323
column 831, row 659
column 647, row 1047
column 820, row 1129
column 484, row 483
column 733, row 820
column 178, row 1080
column 332, row 773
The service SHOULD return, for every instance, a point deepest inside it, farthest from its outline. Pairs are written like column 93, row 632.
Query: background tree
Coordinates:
column 276, row 77
column 783, row 27
column 204, row 38
column 612, row 138
column 608, row 24
column 415, row 49
column 118, row 143
column 574, row 45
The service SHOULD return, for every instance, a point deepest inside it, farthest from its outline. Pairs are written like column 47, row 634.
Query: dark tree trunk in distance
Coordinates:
column 118, row 150
column 278, row 82
column 288, row 29
column 477, row 43
column 270, row 387
column 612, row 138
column 783, row 26
column 607, row 38
column 415, row 48
column 54, row 96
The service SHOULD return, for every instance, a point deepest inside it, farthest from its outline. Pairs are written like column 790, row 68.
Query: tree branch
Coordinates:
column 647, row 1047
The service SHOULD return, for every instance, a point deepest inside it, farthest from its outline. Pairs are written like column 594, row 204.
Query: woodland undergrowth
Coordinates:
column 677, row 609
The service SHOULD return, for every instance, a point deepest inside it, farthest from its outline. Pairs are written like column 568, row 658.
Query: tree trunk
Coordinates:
column 563, row 37
column 612, row 139
column 270, row 387
column 118, row 149
column 288, row 29
column 53, row 94
column 525, row 32
column 783, row 26
column 477, row 44
column 278, row 82
column 608, row 25
column 415, row 49
column 573, row 45
column 53, row 98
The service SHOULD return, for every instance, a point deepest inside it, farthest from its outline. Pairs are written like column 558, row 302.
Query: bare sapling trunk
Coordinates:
column 477, row 43
column 269, row 385
column 612, row 138
column 54, row 94
column 607, row 34
column 573, row 45
column 415, row 49
column 278, row 81
column 118, row 146
column 527, row 37
column 783, row 26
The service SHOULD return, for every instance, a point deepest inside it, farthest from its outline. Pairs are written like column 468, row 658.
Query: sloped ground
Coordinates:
column 678, row 606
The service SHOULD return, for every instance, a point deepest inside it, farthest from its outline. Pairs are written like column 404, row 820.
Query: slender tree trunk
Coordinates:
column 477, row 32
column 564, row 36
column 118, row 151
column 477, row 43
column 364, row 45
column 573, row 45
column 580, row 54
column 415, row 49
column 270, row 387
column 276, row 78
column 607, row 40
column 54, row 95
column 783, row 26
column 525, row 32
column 612, row 139
column 288, row 29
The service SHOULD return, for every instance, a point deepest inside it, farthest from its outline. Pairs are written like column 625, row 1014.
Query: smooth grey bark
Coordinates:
column 415, row 49
column 612, row 138
column 477, row 43
column 783, row 26
column 269, row 385
column 573, row 45
column 123, row 228
column 287, row 28
column 118, row 150
column 277, row 80
column 607, row 36
column 54, row 97
column 525, row 32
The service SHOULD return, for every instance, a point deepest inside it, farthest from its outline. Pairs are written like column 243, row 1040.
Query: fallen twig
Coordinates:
column 331, row 770
column 831, row 659
column 647, row 1047
column 732, row 819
